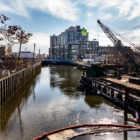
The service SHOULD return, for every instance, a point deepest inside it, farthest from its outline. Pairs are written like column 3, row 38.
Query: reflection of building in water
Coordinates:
column 12, row 108
column 93, row 101
column 65, row 78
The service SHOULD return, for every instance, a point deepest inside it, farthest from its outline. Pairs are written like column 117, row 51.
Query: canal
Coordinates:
column 52, row 101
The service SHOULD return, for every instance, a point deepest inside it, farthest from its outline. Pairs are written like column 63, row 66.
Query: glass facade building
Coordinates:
column 70, row 44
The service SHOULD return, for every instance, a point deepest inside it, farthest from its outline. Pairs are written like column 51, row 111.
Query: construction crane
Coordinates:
column 110, row 35
column 113, row 36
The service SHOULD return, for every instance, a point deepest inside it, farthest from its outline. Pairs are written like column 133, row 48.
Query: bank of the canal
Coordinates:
column 52, row 101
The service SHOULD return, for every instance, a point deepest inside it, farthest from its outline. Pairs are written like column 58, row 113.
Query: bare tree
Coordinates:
column 8, row 32
column 22, row 38
column 3, row 30
column 13, row 33
column 137, row 48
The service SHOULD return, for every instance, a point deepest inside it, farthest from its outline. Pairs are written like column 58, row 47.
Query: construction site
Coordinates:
column 119, row 79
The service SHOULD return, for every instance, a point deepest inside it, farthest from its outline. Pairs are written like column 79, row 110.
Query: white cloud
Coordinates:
column 126, row 8
column 101, row 37
column 133, row 36
column 135, row 12
column 4, row 7
column 89, row 14
column 42, row 41
column 106, row 16
column 111, row 3
column 14, row 6
column 92, row 3
column 61, row 8
column 102, row 4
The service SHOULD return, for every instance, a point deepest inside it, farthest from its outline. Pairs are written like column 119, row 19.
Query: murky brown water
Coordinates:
column 51, row 101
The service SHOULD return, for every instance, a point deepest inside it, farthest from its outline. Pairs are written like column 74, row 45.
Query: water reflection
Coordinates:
column 52, row 101
column 66, row 79
column 93, row 101
column 12, row 109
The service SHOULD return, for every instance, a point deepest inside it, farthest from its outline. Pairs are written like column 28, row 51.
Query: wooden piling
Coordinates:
column 126, row 106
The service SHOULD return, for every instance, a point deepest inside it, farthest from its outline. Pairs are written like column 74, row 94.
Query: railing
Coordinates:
column 9, row 85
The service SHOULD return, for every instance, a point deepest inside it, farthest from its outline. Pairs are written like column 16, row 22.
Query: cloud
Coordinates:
column 89, row 14
column 133, row 36
column 101, row 37
column 135, row 12
column 4, row 7
column 61, row 8
column 106, row 16
column 42, row 41
column 15, row 7
column 92, row 3
column 126, row 8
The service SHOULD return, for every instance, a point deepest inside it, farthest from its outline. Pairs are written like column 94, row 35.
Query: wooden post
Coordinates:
column 83, row 73
column 6, row 89
column 0, row 92
column 125, row 135
column 126, row 105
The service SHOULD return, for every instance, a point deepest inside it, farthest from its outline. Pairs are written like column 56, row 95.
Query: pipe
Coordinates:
column 83, row 125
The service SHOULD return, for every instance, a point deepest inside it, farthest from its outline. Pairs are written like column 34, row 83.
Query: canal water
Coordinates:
column 52, row 101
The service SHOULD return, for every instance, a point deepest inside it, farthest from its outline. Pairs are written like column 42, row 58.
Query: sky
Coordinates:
column 47, row 17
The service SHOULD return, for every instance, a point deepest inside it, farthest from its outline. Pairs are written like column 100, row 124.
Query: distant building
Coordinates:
column 5, row 50
column 108, row 54
column 42, row 56
column 78, row 49
column 25, row 54
column 70, row 43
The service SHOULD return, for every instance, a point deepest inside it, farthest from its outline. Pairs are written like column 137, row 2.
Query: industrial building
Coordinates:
column 25, row 54
column 5, row 50
column 72, row 45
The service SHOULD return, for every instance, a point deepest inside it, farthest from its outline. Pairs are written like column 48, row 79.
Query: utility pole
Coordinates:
column 34, row 50
column 39, row 53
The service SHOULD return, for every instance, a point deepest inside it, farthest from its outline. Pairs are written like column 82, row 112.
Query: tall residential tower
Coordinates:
column 71, row 44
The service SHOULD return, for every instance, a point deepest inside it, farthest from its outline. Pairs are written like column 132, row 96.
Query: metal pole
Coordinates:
column 34, row 50
column 39, row 53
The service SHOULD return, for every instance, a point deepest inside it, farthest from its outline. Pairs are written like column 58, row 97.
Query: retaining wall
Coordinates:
column 11, row 84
